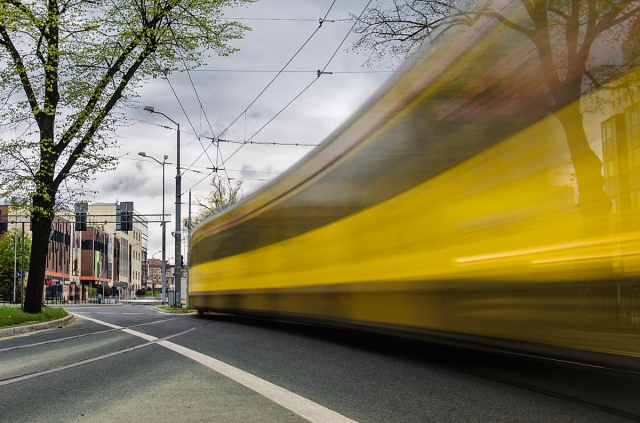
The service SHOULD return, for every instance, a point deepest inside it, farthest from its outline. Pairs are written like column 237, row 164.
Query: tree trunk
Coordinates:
column 594, row 205
column 40, row 228
column 41, row 218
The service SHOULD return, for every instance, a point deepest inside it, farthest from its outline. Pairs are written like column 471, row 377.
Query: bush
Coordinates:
column 141, row 292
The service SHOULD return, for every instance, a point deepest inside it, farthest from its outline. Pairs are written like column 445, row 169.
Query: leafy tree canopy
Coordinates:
column 68, row 69
column 221, row 196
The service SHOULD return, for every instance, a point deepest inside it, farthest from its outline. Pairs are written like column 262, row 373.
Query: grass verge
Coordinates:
column 11, row 316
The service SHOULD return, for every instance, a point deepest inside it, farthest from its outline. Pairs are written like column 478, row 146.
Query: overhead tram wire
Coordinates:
column 203, row 167
column 271, row 120
column 176, row 96
column 200, row 181
column 291, row 144
column 321, row 21
column 285, row 19
column 188, row 120
column 297, row 144
column 195, row 90
column 183, row 109
column 345, row 38
column 281, row 70
column 263, row 90
column 188, row 168
column 319, row 73
column 273, row 80
column 286, row 71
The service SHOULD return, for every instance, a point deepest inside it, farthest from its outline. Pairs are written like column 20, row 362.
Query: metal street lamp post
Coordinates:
column 178, row 237
column 15, row 257
column 113, row 263
column 164, row 232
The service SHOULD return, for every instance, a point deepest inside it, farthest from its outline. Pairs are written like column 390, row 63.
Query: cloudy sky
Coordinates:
column 211, row 102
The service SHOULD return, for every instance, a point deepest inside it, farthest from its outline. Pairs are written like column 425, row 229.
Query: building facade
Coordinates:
column 131, row 245
column 155, row 274
column 101, row 255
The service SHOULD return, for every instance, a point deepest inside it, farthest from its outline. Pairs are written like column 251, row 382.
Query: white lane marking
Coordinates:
column 100, row 322
column 140, row 335
column 303, row 407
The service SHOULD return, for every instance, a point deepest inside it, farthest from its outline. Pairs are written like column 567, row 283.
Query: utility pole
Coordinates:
column 178, row 234
column 15, row 257
column 188, row 247
column 22, row 272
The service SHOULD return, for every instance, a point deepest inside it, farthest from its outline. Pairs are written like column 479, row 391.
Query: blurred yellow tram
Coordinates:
column 451, row 206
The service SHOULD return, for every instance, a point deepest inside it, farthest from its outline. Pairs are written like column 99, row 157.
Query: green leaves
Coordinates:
column 70, row 65
column 221, row 196
column 67, row 67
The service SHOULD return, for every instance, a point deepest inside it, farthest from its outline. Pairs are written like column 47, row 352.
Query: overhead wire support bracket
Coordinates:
column 321, row 21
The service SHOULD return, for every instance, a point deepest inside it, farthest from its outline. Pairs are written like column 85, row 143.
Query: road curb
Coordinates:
column 19, row 330
column 161, row 310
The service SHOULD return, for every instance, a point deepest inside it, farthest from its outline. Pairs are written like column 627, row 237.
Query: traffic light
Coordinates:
column 81, row 210
column 124, row 216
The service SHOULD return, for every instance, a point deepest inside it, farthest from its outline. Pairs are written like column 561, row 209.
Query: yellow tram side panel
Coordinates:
column 503, row 218
column 501, row 215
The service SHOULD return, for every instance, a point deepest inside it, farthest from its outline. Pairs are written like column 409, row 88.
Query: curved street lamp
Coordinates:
column 178, row 240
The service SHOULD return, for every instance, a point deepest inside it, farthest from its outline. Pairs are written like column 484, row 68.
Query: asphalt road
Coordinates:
column 134, row 363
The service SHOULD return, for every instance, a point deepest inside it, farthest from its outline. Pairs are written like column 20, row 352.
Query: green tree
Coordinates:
column 10, row 253
column 221, row 195
column 68, row 69
column 564, row 35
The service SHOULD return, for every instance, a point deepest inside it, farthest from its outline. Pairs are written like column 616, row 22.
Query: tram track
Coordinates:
column 75, row 337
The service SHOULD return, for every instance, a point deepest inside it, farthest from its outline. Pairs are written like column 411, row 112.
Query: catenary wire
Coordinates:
column 285, row 71
column 278, row 74
column 268, row 85
column 308, row 86
column 195, row 90
column 278, row 143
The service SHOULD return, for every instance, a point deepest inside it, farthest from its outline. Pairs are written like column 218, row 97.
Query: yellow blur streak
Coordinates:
column 503, row 214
